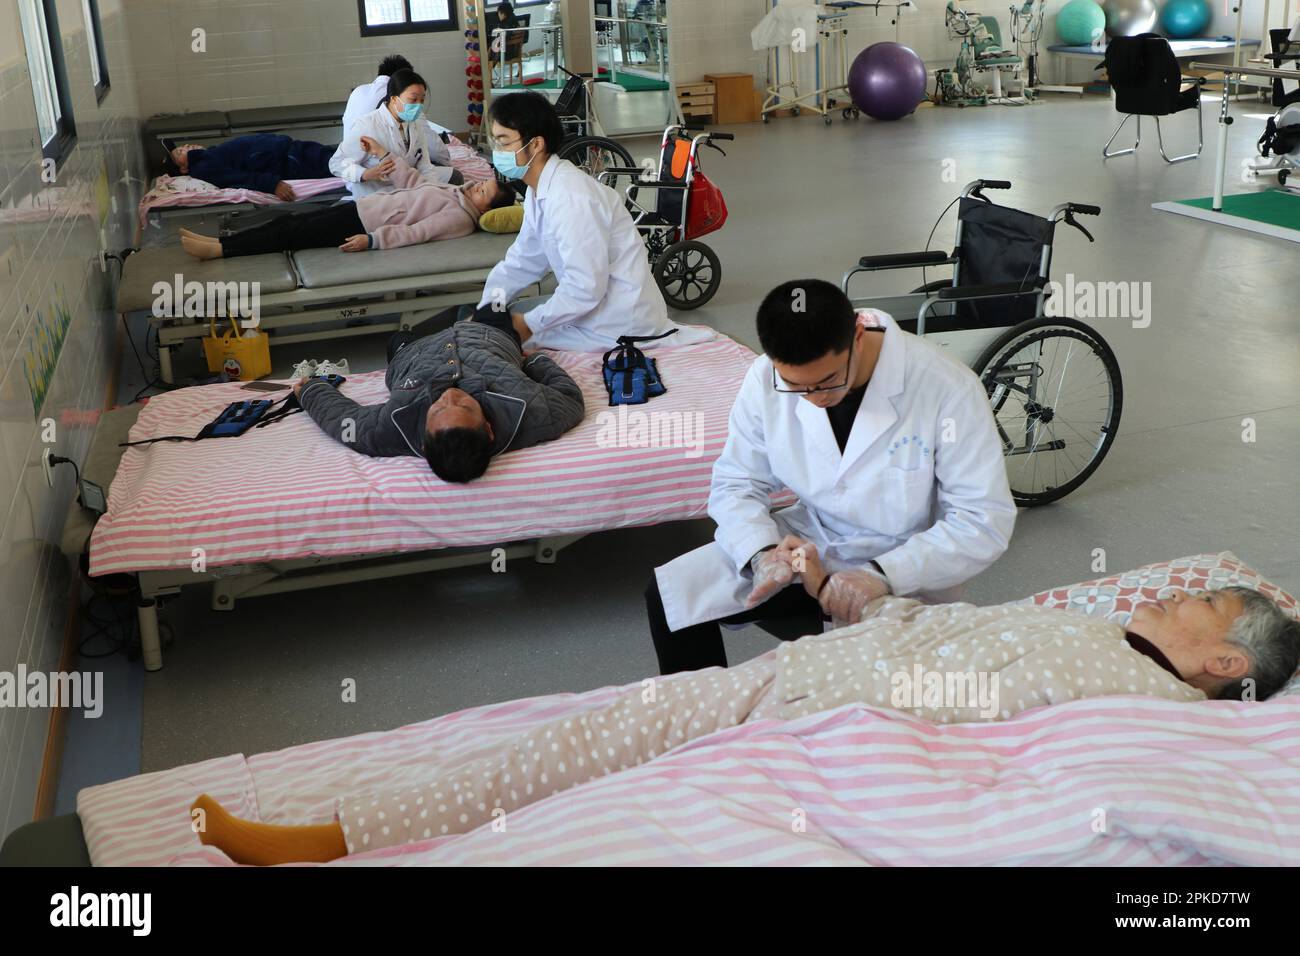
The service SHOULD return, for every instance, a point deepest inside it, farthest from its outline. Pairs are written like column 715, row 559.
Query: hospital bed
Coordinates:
column 287, row 508
column 1181, row 784
column 317, row 293
column 207, row 125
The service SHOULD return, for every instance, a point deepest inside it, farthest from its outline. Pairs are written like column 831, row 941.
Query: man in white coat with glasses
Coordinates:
column 889, row 446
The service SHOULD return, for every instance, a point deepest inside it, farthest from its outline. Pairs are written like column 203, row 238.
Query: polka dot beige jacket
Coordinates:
column 952, row 663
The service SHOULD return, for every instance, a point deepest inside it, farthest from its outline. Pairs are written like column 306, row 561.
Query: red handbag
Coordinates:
column 706, row 211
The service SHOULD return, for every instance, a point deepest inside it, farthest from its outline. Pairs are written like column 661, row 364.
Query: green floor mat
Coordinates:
column 1272, row 206
column 635, row 83
column 544, row 85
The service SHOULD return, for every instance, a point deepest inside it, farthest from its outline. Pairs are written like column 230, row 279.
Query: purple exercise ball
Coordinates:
column 887, row 80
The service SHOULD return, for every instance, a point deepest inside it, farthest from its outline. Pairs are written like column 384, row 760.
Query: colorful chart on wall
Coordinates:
column 44, row 345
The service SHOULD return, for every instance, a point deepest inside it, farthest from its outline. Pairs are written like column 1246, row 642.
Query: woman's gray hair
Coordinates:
column 1270, row 639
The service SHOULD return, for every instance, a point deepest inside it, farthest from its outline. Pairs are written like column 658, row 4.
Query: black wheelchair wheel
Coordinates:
column 593, row 154
column 1057, row 396
column 688, row 273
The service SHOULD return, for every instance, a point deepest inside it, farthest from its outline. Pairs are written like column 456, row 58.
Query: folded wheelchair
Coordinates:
column 1054, row 383
column 687, row 205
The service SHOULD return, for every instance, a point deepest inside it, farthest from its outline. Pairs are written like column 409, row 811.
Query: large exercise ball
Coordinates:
column 1183, row 19
column 1128, row 18
column 1079, row 21
column 887, row 80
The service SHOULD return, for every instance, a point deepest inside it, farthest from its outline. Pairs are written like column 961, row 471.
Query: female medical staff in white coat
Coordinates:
column 397, row 125
column 920, row 489
column 580, row 231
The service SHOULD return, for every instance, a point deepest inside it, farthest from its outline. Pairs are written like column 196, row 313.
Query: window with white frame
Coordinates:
column 95, row 39
column 40, row 25
column 390, row 17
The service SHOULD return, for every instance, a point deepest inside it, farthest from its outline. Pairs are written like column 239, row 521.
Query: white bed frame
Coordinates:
column 229, row 584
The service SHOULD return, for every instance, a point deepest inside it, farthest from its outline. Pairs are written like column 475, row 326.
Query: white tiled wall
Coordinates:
column 261, row 53
column 50, row 237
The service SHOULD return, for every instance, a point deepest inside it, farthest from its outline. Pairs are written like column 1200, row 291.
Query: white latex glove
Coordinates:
column 847, row 593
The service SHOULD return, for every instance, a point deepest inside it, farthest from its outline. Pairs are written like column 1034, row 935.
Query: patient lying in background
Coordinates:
column 458, row 397
column 1230, row 644
column 417, row 211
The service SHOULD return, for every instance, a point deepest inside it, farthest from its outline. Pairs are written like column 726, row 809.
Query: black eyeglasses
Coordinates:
column 776, row 382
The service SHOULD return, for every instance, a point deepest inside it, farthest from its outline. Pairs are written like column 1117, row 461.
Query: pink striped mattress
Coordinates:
column 289, row 491
column 1106, row 781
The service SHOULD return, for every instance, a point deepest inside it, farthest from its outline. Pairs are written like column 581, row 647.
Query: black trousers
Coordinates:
column 789, row 614
column 330, row 226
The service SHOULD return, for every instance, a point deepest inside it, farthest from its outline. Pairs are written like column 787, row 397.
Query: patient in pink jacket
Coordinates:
column 416, row 211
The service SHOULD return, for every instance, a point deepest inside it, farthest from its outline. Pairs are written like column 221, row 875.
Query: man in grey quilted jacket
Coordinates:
column 457, row 398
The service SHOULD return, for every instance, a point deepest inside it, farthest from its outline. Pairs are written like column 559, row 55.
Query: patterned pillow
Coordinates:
column 1116, row 596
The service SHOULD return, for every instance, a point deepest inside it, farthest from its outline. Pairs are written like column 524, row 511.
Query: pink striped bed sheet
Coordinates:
column 164, row 195
column 1108, row 781
column 288, row 491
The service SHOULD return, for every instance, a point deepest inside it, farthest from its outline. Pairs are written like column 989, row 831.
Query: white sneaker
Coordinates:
column 305, row 369
column 333, row 368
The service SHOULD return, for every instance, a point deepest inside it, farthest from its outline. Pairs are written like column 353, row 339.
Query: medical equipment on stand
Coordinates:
column 1281, row 139
column 981, row 51
column 803, row 28
column 800, row 28
column 1026, row 31
column 1221, row 152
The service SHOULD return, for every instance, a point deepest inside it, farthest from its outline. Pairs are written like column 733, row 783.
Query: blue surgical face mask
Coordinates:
column 506, row 163
column 410, row 112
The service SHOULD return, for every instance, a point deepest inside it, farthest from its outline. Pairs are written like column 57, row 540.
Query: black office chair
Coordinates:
column 1144, row 74
column 1283, row 49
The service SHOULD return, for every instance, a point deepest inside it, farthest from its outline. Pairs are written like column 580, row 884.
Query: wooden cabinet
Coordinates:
column 733, row 95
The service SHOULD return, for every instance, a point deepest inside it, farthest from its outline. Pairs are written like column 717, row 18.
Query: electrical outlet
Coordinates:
column 47, row 466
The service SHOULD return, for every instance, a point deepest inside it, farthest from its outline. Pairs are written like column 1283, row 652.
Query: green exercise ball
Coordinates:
column 1184, row 19
column 1079, row 21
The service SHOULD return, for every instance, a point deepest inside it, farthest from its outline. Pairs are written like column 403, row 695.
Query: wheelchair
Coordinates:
column 687, row 205
column 1054, row 383
column 582, row 147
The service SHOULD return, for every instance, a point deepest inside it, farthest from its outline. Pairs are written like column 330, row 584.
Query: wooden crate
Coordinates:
column 697, row 100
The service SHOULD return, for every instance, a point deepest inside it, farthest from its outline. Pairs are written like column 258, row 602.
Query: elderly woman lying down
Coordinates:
column 946, row 663
column 417, row 211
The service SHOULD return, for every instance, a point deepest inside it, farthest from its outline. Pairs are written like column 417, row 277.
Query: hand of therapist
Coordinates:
column 284, row 191
column 379, row 172
column 847, row 593
column 772, row 572
column 359, row 243
column 372, row 147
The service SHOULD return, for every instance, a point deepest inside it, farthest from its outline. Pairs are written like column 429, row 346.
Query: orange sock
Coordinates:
column 265, row 844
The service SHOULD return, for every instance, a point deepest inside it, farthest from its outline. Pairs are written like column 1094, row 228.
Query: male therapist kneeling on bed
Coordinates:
column 891, row 449
column 457, row 398
column 580, row 231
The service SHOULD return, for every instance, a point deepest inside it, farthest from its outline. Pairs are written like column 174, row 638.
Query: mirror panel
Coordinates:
column 630, row 53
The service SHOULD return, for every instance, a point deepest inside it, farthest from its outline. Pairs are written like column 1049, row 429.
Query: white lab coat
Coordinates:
column 363, row 100
column 366, row 97
column 423, row 150
column 921, row 487
column 580, row 231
